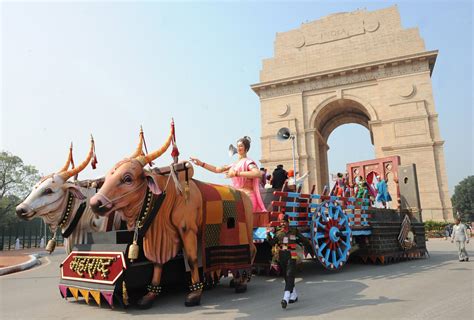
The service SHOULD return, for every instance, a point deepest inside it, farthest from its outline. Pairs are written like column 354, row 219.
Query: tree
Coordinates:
column 463, row 197
column 16, row 180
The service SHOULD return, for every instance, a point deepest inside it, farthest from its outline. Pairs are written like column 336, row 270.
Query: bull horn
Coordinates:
column 155, row 154
column 68, row 162
column 70, row 173
column 139, row 150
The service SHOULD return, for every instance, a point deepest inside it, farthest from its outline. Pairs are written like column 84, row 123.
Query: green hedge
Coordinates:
column 435, row 229
column 431, row 225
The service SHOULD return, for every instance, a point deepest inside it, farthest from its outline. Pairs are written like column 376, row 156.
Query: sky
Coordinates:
column 71, row 69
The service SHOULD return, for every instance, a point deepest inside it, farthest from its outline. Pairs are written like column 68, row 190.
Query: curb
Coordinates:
column 22, row 266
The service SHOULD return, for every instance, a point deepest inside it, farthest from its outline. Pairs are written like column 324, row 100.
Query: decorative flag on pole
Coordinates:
column 94, row 157
column 175, row 151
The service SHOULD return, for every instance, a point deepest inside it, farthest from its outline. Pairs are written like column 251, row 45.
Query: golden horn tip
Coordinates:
column 141, row 129
column 70, row 147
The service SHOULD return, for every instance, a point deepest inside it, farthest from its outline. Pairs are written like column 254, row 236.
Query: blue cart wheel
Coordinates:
column 331, row 235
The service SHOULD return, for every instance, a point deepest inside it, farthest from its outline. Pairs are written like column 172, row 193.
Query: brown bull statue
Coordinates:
column 186, row 214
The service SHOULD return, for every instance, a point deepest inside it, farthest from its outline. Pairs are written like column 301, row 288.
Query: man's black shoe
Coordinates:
column 293, row 301
column 283, row 304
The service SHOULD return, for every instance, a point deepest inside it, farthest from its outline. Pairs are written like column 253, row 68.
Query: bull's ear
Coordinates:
column 76, row 192
column 152, row 183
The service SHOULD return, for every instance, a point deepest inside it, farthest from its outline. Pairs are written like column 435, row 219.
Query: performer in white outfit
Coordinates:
column 461, row 236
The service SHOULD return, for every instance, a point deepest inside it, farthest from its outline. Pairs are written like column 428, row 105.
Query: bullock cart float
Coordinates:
column 116, row 267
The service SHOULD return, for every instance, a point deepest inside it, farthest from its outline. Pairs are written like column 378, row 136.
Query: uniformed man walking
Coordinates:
column 284, row 241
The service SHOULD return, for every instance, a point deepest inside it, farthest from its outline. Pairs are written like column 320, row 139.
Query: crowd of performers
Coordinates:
column 376, row 190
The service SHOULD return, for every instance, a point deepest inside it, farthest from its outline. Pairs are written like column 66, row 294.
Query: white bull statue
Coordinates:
column 65, row 204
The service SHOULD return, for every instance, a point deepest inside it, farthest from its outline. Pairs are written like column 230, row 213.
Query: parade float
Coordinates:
column 117, row 268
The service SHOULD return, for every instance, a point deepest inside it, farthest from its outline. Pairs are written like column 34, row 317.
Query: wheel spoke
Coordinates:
column 321, row 247
column 326, row 256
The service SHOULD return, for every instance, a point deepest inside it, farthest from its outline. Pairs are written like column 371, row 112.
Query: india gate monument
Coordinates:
column 358, row 67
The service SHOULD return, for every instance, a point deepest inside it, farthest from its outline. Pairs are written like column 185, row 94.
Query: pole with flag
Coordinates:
column 175, row 151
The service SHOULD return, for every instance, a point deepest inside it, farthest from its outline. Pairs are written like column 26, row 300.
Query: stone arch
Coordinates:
column 368, row 108
column 327, row 116
column 367, row 105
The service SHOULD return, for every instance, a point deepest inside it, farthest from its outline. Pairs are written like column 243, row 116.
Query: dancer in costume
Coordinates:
column 284, row 242
column 361, row 187
column 382, row 193
column 340, row 186
column 244, row 173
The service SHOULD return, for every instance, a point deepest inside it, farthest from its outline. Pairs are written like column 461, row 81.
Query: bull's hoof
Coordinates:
column 146, row 302
column 193, row 298
column 232, row 283
column 240, row 287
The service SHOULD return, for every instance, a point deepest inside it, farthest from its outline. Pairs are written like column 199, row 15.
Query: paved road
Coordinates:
column 435, row 288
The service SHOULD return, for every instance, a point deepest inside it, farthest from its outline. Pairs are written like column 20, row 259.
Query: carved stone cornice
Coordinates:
column 378, row 70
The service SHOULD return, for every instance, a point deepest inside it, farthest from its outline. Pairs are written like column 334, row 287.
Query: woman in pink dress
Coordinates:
column 244, row 173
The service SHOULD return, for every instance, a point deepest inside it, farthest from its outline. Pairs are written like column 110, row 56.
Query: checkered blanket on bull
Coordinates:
column 225, row 244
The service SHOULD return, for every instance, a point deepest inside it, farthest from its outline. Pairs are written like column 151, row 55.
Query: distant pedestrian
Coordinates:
column 279, row 177
column 469, row 230
column 447, row 231
column 461, row 236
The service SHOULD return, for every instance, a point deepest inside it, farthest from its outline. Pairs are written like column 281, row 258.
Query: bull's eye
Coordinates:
column 47, row 191
column 127, row 179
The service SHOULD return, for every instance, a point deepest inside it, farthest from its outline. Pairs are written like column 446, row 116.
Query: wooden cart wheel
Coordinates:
column 331, row 235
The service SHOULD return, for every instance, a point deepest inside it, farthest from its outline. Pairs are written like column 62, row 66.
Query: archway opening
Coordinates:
column 352, row 142
column 348, row 143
